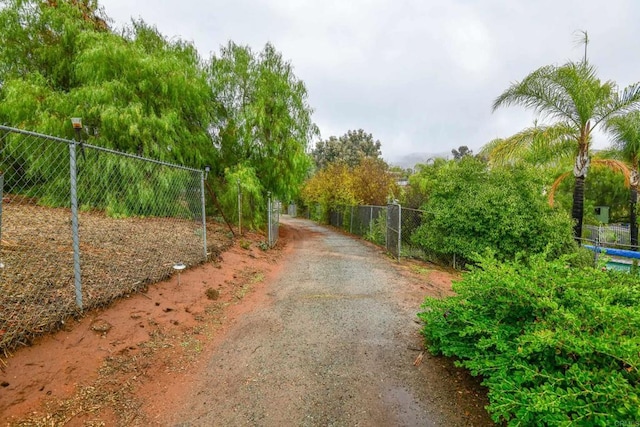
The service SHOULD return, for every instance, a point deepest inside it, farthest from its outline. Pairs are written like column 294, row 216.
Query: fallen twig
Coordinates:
column 418, row 360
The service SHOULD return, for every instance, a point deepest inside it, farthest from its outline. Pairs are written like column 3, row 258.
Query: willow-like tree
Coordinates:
column 579, row 102
column 135, row 90
column 263, row 118
column 625, row 132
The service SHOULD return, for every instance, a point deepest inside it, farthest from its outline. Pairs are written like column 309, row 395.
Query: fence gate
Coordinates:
column 394, row 232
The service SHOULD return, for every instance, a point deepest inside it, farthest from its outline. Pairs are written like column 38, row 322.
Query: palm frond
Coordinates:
column 535, row 145
column 554, row 187
column 619, row 103
column 614, row 165
column 566, row 93
column 625, row 133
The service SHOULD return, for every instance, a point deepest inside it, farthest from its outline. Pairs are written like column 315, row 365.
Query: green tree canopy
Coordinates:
column 471, row 207
column 142, row 93
column 350, row 149
column 136, row 92
column 262, row 118
column 461, row 152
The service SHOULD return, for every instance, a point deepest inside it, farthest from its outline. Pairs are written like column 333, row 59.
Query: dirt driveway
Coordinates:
column 333, row 345
column 320, row 331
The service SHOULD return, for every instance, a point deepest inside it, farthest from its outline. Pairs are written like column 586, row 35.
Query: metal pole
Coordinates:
column 371, row 220
column 387, row 229
column 269, row 218
column 351, row 223
column 239, row 209
column 204, row 214
column 74, row 224
column 399, row 230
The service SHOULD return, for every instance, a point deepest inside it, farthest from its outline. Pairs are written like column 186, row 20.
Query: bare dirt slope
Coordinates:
column 319, row 331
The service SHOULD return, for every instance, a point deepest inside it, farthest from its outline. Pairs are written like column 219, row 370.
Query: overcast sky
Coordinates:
column 420, row 75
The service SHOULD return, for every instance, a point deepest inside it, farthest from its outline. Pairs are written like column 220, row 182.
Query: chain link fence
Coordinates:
column 411, row 220
column 394, row 230
column 81, row 225
column 391, row 226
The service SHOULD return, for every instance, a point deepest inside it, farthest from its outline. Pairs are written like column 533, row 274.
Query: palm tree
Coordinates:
column 625, row 131
column 573, row 95
column 538, row 145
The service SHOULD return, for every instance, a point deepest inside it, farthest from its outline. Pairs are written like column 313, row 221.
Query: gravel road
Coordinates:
column 334, row 345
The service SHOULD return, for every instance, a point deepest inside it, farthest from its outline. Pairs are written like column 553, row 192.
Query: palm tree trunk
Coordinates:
column 580, row 172
column 578, row 207
column 633, row 200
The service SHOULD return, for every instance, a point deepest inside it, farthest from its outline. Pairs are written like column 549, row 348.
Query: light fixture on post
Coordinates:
column 77, row 126
column 179, row 267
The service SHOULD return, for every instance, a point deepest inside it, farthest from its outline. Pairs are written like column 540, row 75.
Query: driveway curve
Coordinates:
column 333, row 345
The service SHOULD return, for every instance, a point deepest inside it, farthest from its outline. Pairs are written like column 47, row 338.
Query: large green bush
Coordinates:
column 555, row 345
column 471, row 207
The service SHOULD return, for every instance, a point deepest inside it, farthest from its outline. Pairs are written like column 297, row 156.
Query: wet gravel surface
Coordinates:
column 334, row 346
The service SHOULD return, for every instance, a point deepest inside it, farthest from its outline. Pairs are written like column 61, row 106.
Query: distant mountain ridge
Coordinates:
column 412, row 159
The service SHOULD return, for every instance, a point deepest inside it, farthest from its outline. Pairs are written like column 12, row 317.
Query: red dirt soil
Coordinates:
column 130, row 363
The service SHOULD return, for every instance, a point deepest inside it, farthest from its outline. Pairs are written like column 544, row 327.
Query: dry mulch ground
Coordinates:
column 124, row 364
column 118, row 257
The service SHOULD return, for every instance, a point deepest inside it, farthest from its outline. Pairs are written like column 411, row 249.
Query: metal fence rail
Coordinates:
column 82, row 221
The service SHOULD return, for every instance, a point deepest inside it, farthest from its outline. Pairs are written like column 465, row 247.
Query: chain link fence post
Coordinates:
column 204, row 214
column 269, row 218
column 239, row 209
column 399, row 231
column 393, row 233
column 351, row 223
column 74, row 223
column 371, row 220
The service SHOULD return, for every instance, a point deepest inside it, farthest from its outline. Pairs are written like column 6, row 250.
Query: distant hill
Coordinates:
column 411, row 160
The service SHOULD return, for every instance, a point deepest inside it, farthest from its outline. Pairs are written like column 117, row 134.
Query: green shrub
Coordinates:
column 581, row 258
column 555, row 345
column 472, row 207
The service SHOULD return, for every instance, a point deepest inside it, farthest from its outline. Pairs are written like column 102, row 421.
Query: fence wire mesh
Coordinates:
column 136, row 218
column 411, row 220
column 394, row 230
column 391, row 226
